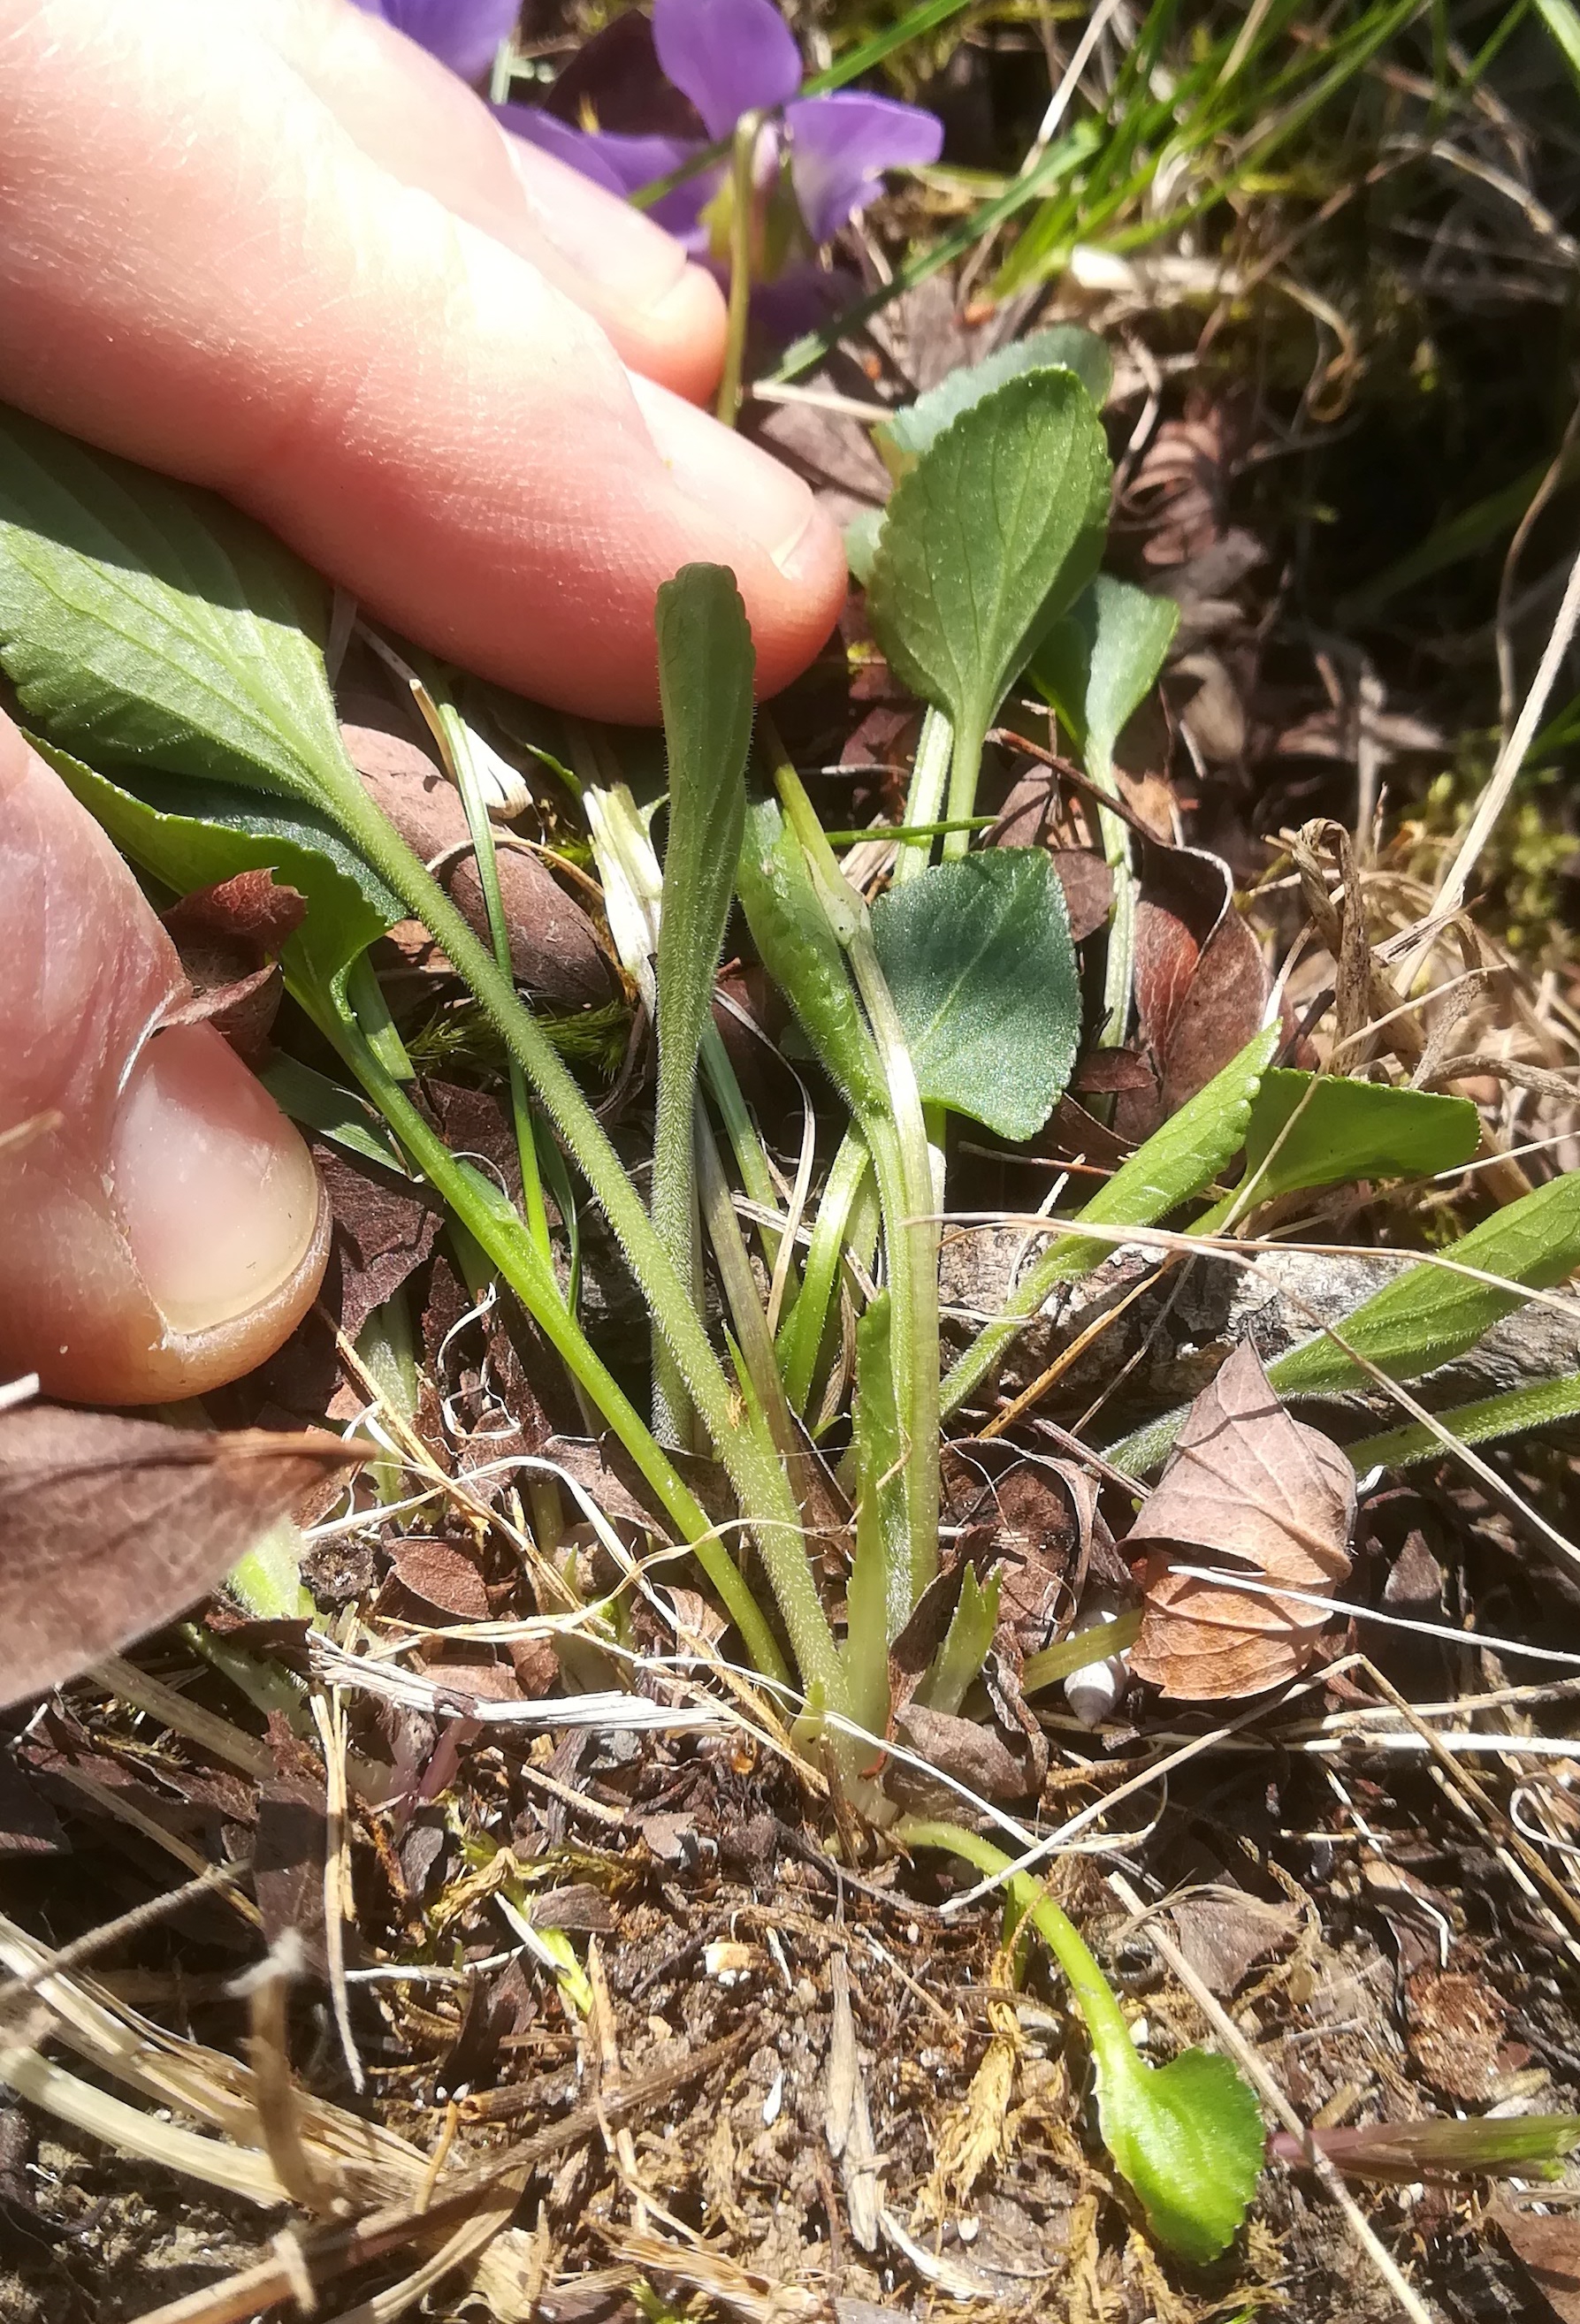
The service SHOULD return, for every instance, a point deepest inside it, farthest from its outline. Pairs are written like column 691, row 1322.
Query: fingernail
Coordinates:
column 217, row 1192
column 612, row 248
column 800, row 556
column 732, row 477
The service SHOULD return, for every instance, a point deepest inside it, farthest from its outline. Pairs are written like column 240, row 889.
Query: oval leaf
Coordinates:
column 1351, row 1130
column 977, row 954
column 1189, row 2138
column 1064, row 346
column 1098, row 664
column 987, row 540
column 1249, row 1487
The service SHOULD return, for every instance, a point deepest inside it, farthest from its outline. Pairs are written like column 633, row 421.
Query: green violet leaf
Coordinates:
column 144, row 624
column 192, row 835
column 878, row 1597
column 987, row 541
column 705, row 667
column 1098, row 663
column 1189, row 2138
column 1430, row 1314
column 705, row 673
column 1321, row 1128
column 1188, row 2135
column 907, row 433
column 1425, row 1317
column 977, row 954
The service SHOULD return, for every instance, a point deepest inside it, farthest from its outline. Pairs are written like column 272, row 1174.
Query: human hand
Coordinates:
column 273, row 248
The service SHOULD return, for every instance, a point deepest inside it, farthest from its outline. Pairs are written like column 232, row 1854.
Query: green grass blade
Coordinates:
column 1177, row 1162
column 1514, row 1414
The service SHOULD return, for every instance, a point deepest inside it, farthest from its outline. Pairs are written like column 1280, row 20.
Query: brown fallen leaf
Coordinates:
column 1201, row 985
column 441, row 1575
column 960, row 1749
column 385, row 1228
column 553, row 947
column 229, row 937
column 1248, row 1486
column 1458, row 2028
column 253, row 909
column 1088, row 889
column 1223, row 1934
column 1548, row 2250
column 109, row 1527
column 1178, row 497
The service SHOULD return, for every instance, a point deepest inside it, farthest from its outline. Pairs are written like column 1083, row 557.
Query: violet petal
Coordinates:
column 462, row 33
column 802, row 298
column 729, row 57
column 840, row 145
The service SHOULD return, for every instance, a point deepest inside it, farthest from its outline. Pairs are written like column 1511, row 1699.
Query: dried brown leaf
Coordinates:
column 1458, row 2028
column 229, row 937
column 441, row 1575
column 288, row 1864
column 1223, row 1935
column 553, row 947
column 962, row 1749
column 254, row 908
column 385, row 1228
column 1548, row 2250
column 1248, row 1486
column 1201, row 985
column 1088, row 889
column 112, row 1526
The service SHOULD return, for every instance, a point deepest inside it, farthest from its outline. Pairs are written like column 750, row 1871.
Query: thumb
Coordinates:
column 164, row 1229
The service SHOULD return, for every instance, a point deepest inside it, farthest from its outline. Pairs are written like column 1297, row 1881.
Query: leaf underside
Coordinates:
column 144, row 624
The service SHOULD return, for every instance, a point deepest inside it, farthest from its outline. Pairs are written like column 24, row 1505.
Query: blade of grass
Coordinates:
column 800, row 1337
column 1058, row 161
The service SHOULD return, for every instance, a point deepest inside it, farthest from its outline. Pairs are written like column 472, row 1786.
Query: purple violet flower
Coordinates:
column 817, row 163
column 461, row 33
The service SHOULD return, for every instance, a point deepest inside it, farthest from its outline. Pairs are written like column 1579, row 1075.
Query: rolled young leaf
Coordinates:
column 706, row 668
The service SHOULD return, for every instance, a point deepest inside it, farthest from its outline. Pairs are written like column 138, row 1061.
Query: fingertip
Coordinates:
column 210, row 1359
column 785, row 549
column 679, row 340
column 816, row 576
